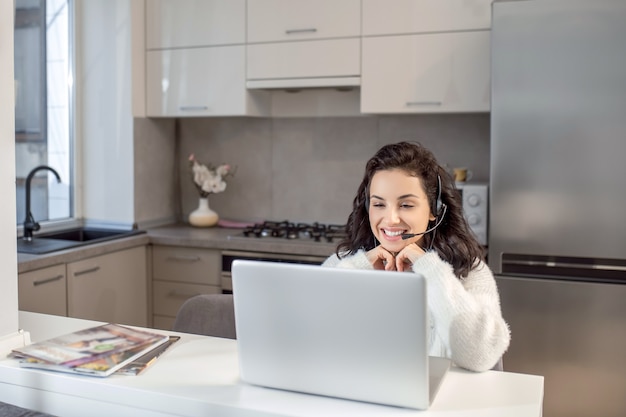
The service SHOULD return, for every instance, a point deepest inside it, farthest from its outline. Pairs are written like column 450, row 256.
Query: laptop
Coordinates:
column 351, row 334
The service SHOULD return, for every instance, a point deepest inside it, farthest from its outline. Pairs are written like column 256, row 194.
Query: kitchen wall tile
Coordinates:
column 457, row 140
column 244, row 143
column 318, row 165
column 308, row 169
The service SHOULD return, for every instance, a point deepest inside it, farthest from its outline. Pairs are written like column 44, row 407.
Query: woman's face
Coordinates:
column 398, row 205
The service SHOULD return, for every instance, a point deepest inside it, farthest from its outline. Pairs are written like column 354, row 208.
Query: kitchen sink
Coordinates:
column 70, row 238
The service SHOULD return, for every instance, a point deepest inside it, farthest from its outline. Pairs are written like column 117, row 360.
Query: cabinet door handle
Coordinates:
column 182, row 258
column 47, row 280
column 423, row 103
column 193, row 108
column 294, row 31
column 178, row 294
column 86, row 271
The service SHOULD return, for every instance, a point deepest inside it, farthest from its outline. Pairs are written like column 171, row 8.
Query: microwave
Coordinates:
column 475, row 198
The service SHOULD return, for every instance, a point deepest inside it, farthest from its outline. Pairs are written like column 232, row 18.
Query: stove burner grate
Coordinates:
column 290, row 230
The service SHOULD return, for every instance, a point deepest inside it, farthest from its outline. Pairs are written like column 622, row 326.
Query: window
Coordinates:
column 43, row 107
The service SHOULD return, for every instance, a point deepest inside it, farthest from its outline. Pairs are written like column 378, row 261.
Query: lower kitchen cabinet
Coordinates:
column 179, row 273
column 110, row 287
column 43, row 291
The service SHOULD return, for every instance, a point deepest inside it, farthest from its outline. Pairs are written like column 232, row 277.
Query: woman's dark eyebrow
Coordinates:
column 399, row 198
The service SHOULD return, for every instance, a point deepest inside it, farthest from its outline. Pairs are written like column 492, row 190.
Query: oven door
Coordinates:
column 229, row 256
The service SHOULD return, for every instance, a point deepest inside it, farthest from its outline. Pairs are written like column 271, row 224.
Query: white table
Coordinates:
column 199, row 376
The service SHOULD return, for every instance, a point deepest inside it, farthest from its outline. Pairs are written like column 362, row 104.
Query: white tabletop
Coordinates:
column 199, row 376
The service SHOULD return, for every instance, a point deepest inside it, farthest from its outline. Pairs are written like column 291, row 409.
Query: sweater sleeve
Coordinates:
column 466, row 313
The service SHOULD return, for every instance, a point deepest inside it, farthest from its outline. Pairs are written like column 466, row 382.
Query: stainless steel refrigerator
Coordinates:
column 557, row 240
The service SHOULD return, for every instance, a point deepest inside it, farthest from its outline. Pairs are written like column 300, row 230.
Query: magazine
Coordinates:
column 143, row 362
column 99, row 350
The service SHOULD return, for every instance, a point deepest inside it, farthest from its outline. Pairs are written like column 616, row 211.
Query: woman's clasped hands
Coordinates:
column 383, row 259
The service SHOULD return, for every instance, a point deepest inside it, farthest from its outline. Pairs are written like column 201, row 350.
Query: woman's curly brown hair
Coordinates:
column 453, row 239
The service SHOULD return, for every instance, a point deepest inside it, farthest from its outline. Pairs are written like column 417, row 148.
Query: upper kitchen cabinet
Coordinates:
column 389, row 17
column 207, row 81
column 196, row 60
column 290, row 20
column 426, row 73
column 425, row 56
column 191, row 23
column 304, row 43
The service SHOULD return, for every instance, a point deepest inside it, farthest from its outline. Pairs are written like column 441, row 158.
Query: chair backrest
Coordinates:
column 207, row 314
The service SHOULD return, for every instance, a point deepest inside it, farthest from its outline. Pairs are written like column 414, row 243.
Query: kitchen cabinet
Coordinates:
column 390, row 17
column 43, row 291
column 200, row 82
column 179, row 273
column 111, row 287
column 196, row 60
column 313, row 43
column 444, row 72
column 288, row 20
column 193, row 23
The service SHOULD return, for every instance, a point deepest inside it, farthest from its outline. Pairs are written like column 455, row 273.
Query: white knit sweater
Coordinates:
column 466, row 323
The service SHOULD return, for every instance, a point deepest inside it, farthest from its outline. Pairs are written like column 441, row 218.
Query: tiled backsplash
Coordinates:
column 308, row 169
column 301, row 169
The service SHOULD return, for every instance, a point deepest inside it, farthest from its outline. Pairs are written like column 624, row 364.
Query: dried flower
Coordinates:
column 209, row 179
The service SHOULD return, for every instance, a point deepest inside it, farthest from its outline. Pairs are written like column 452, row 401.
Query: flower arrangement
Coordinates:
column 209, row 179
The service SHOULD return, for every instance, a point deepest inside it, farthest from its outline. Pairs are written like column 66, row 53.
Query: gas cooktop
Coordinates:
column 290, row 230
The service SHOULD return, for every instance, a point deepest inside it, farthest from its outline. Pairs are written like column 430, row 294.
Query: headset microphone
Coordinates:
column 410, row 235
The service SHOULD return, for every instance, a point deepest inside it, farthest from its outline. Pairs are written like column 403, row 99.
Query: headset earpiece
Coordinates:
column 438, row 203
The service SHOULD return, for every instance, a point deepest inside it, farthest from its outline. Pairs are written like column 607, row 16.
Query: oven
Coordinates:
column 230, row 255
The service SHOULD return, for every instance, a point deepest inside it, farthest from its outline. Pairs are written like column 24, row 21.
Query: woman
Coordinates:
column 407, row 216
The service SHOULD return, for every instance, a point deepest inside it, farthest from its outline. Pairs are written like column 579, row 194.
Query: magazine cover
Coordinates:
column 134, row 360
column 88, row 345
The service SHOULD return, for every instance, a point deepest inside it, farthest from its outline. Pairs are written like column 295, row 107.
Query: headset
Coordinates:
column 440, row 210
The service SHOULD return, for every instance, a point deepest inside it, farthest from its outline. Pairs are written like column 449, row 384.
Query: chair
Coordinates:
column 207, row 314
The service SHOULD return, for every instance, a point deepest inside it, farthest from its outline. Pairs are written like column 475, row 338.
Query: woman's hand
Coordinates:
column 407, row 256
column 381, row 259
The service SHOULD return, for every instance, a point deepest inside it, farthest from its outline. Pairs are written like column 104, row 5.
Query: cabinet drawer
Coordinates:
column 191, row 23
column 169, row 296
column 288, row 20
column 330, row 58
column 389, row 17
column 43, row 291
column 191, row 265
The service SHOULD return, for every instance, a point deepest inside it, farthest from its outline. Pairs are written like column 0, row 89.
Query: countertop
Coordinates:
column 180, row 235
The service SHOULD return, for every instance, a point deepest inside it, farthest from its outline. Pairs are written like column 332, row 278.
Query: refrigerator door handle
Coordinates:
column 565, row 268
column 567, row 265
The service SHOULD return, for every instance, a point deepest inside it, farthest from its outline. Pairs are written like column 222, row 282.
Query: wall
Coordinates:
column 8, row 236
column 155, row 200
column 127, row 164
column 308, row 169
column 103, row 86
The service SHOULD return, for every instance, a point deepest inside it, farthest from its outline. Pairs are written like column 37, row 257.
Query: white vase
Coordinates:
column 203, row 216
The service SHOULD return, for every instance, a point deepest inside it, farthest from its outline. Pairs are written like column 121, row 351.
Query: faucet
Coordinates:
column 30, row 225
